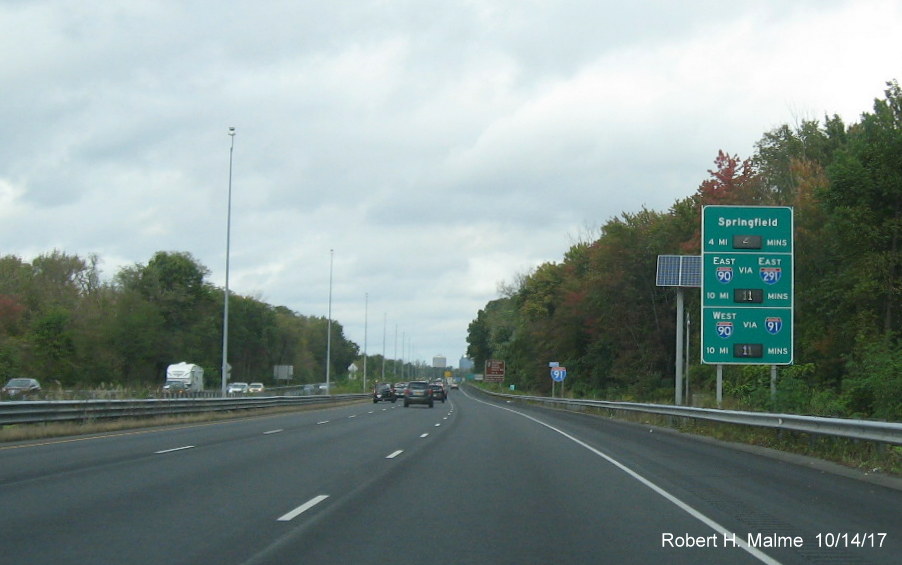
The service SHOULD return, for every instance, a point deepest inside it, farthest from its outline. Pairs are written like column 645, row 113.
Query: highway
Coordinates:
column 472, row 480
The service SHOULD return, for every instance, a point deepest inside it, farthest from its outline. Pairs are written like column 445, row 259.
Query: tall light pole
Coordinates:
column 329, row 336
column 366, row 306
column 384, row 326
column 225, row 308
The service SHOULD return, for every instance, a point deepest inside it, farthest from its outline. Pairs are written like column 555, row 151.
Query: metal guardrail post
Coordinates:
column 865, row 430
column 38, row 411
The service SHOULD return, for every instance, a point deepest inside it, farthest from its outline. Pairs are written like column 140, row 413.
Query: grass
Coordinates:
column 863, row 455
column 45, row 430
column 867, row 456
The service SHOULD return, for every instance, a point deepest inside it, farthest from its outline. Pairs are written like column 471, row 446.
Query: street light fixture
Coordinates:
column 225, row 311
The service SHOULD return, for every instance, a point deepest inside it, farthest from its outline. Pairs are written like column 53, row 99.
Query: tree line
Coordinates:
column 61, row 324
column 599, row 313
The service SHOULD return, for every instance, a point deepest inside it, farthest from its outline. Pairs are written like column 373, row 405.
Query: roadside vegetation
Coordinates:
column 61, row 324
column 599, row 313
column 865, row 456
column 47, row 430
column 44, row 430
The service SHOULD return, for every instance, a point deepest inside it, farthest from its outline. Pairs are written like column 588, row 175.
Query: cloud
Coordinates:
column 439, row 148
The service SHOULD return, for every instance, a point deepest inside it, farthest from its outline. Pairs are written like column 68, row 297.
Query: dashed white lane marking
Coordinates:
column 395, row 454
column 272, row 432
column 303, row 508
column 174, row 449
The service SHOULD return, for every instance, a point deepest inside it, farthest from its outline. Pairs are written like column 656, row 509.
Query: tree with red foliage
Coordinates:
column 732, row 182
column 11, row 312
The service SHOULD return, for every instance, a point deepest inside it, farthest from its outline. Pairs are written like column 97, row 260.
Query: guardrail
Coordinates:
column 36, row 411
column 865, row 430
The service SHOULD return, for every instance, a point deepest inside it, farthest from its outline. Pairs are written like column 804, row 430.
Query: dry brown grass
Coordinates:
column 863, row 455
column 28, row 432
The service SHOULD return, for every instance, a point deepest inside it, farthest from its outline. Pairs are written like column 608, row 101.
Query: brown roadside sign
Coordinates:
column 494, row 371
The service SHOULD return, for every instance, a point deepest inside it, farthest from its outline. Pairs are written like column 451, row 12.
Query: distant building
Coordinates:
column 439, row 362
column 465, row 364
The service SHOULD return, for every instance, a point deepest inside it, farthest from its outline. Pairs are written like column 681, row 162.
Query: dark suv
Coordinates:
column 418, row 392
column 438, row 391
column 383, row 392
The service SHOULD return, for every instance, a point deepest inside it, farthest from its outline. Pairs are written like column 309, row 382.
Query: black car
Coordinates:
column 383, row 392
column 418, row 392
column 22, row 388
column 438, row 391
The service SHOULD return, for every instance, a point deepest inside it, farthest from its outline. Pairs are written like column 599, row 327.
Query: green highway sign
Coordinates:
column 747, row 285
column 752, row 229
column 725, row 274
column 747, row 336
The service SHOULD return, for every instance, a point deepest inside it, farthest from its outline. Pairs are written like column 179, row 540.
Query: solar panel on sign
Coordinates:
column 679, row 270
column 668, row 270
column 692, row 271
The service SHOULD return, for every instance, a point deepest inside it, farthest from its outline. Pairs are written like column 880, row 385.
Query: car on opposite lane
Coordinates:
column 22, row 388
column 237, row 388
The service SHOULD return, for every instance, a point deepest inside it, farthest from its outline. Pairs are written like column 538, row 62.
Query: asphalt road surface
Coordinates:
column 472, row 480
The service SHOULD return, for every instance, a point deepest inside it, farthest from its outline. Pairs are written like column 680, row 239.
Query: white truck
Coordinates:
column 184, row 377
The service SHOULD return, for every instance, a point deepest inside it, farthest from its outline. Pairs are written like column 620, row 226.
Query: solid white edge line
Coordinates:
column 174, row 449
column 394, row 454
column 760, row 555
column 303, row 508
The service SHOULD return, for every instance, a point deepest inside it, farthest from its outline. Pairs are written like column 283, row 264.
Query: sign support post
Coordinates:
column 719, row 385
column 678, row 399
column 681, row 271
column 558, row 374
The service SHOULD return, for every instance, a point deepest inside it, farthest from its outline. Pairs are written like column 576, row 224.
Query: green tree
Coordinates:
column 171, row 288
column 478, row 345
column 137, row 335
column 52, row 351
column 864, row 203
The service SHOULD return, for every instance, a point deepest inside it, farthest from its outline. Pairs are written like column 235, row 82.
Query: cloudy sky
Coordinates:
column 438, row 147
